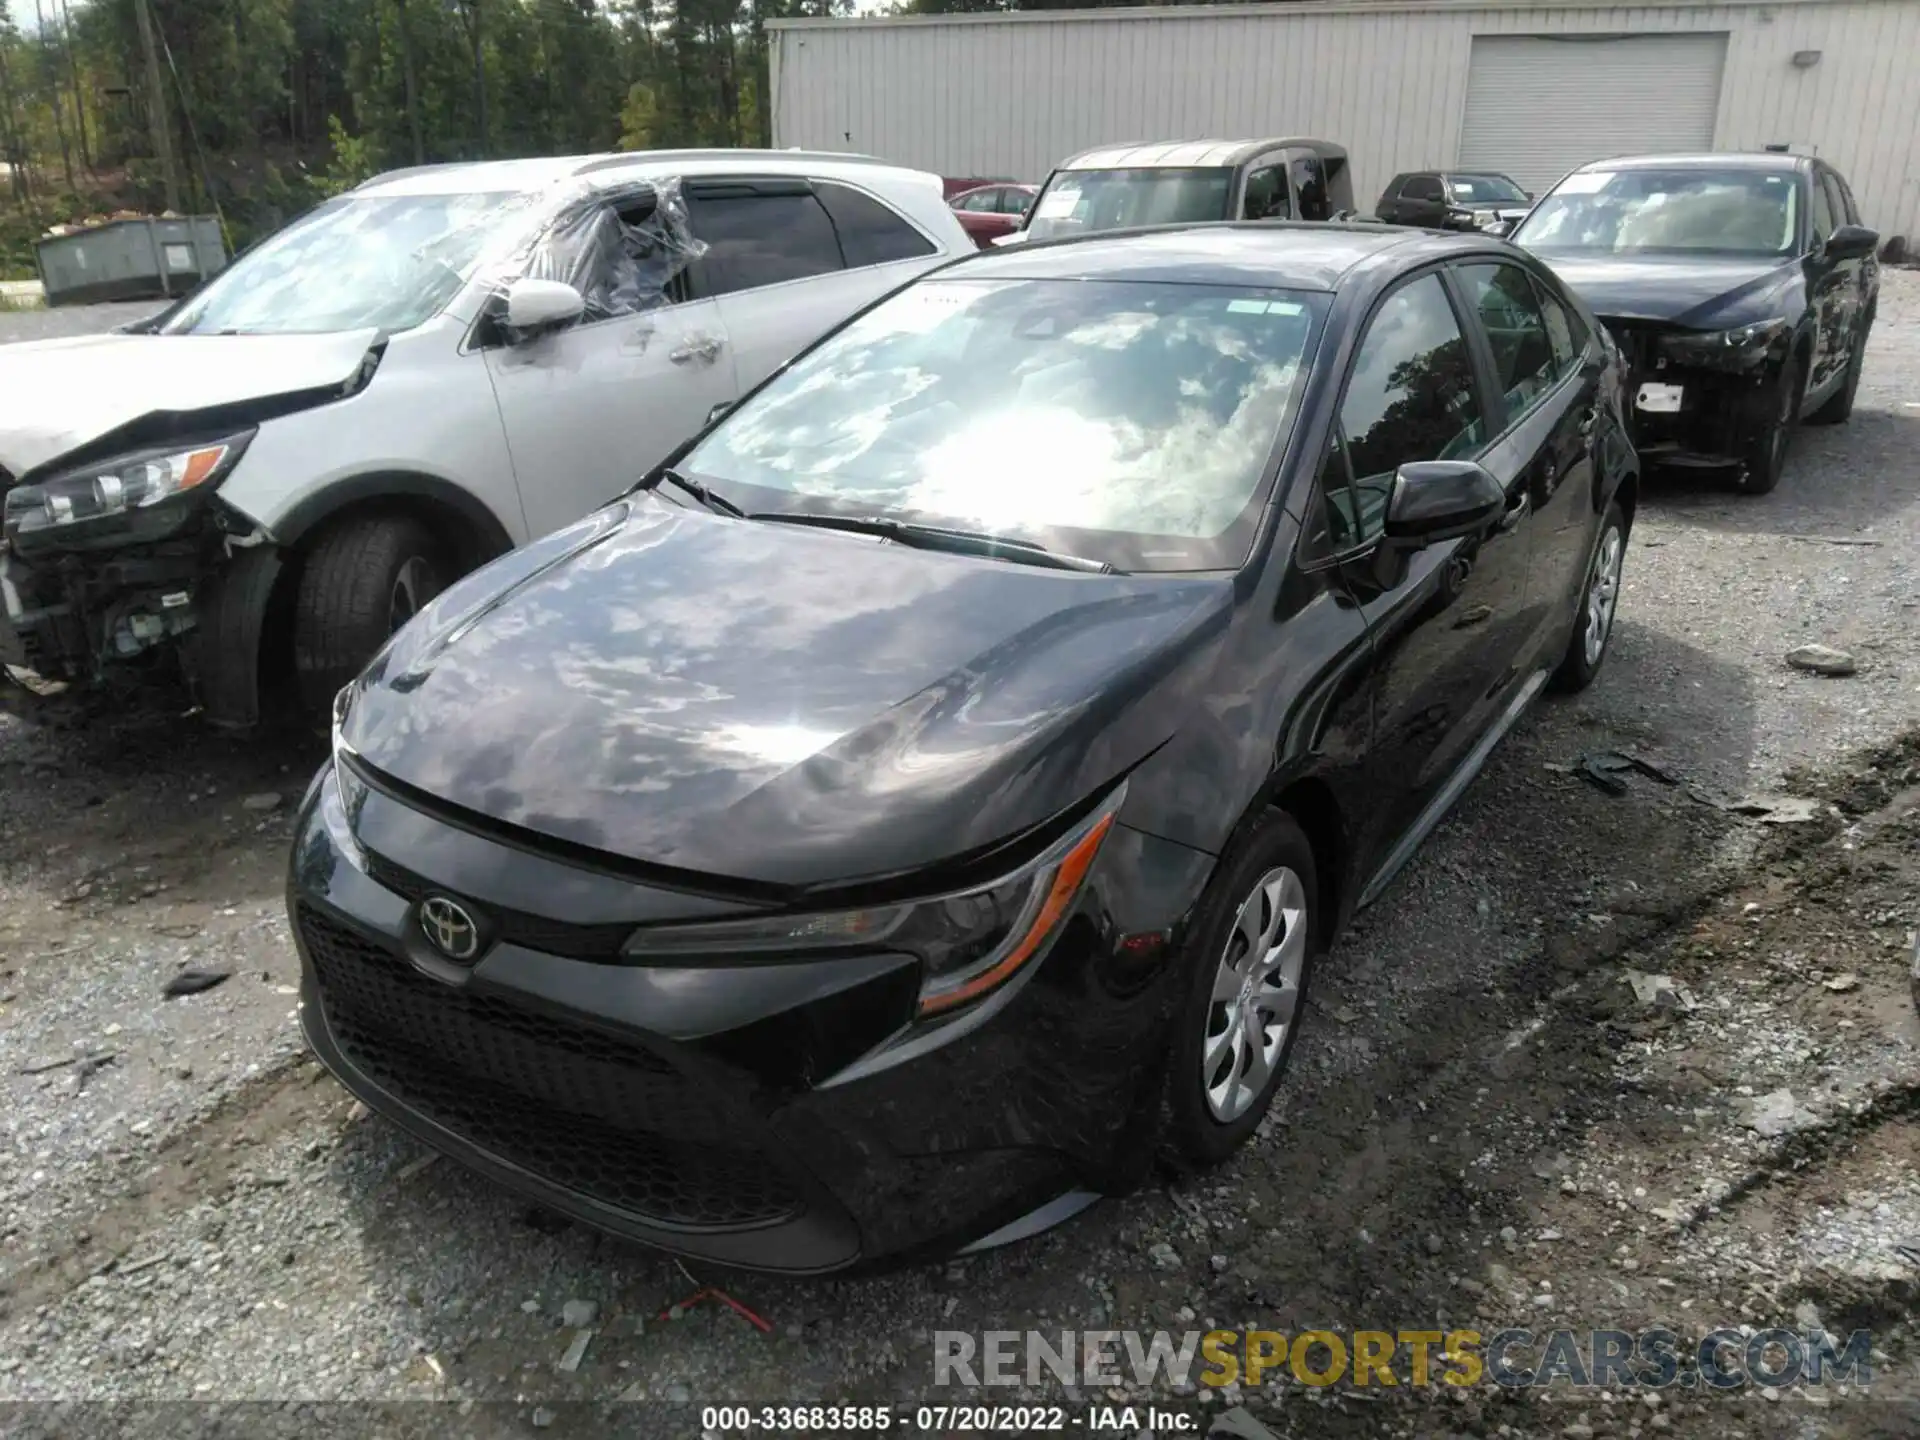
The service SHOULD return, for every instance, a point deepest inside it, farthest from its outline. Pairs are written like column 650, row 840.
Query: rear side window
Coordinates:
column 757, row 238
column 1510, row 315
column 871, row 233
column 1310, row 179
column 1410, row 396
column 1423, row 187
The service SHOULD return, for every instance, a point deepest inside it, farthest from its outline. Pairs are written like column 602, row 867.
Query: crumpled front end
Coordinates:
column 1696, row 394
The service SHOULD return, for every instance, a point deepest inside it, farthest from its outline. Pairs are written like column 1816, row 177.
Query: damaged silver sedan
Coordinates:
column 252, row 490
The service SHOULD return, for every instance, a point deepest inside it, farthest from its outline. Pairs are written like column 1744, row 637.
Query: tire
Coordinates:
column 1838, row 408
column 1764, row 455
column 362, row 580
column 1207, row 1115
column 1599, row 604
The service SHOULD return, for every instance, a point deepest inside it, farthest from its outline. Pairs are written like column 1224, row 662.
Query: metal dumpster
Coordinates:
column 131, row 259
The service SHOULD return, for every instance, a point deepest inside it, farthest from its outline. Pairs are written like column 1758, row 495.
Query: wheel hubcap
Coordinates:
column 1256, row 990
column 412, row 588
column 1603, row 593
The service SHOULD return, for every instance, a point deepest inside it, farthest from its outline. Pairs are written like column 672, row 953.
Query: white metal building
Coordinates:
column 1530, row 87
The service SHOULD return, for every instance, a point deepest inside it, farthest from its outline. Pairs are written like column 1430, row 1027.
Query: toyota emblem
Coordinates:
column 449, row 928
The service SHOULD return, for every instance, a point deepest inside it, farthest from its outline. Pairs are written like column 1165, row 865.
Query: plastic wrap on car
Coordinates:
column 618, row 268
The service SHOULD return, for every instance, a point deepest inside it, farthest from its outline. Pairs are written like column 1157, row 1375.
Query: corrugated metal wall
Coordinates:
column 1011, row 94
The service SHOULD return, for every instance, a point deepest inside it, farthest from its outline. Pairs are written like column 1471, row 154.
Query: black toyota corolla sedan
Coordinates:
column 1741, row 289
column 921, row 801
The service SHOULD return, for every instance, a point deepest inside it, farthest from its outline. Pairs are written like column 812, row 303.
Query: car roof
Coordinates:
column 1759, row 161
column 520, row 176
column 1140, row 155
column 1292, row 255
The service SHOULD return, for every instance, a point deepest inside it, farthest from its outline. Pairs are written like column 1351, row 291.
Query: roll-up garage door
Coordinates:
column 1539, row 105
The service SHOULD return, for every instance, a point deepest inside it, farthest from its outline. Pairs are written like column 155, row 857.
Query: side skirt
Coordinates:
column 1451, row 791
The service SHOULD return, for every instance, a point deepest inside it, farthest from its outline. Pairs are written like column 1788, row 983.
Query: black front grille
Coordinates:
column 515, row 927
column 589, row 1111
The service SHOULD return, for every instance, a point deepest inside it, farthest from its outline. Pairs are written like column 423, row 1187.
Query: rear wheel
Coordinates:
column 1599, row 601
column 1248, row 958
column 363, row 580
column 1764, row 455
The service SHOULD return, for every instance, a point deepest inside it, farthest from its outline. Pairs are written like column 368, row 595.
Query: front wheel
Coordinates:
column 362, row 581
column 1764, row 454
column 1248, row 959
column 1599, row 602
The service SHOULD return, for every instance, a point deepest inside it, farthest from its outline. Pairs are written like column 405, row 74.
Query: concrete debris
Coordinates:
column 1775, row 1114
column 578, row 1314
column 1659, row 992
column 1840, row 984
column 1778, row 809
column 1164, row 1256
column 576, row 1352
column 1821, row 660
column 266, row 800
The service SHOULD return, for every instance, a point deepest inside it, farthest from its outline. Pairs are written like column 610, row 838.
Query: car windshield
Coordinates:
column 1486, row 190
column 1678, row 211
column 1077, row 201
column 1122, row 421
column 389, row 261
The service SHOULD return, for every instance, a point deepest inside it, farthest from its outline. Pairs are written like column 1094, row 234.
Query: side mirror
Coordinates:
column 1852, row 242
column 540, row 304
column 1499, row 227
column 1436, row 500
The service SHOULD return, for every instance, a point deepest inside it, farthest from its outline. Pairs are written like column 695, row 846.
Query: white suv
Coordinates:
column 264, row 481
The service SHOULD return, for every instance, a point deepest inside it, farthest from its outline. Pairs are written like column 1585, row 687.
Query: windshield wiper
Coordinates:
column 717, row 503
column 937, row 537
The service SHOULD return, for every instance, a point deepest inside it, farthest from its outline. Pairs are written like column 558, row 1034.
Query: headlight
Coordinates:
column 969, row 942
column 1736, row 349
column 119, row 486
column 352, row 789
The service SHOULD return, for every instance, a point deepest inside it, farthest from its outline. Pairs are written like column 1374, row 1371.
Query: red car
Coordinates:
column 987, row 212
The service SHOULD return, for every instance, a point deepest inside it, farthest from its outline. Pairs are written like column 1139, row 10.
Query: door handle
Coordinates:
column 1517, row 511
column 1588, row 421
column 695, row 347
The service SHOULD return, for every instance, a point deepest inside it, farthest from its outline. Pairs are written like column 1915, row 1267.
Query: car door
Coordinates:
column 1548, row 408
column 790, row 258
column 1826, row 280
column 1845, row 284
column 1443, row 622
column 589, row 408
column 1389, row 207
column 1422, row 201
column 1309, row 175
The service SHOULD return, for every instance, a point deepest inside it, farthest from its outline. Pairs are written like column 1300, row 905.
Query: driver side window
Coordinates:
column 1411, row 395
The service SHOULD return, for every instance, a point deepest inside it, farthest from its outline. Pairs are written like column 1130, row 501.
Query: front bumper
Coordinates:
column 747, row 1115
column 1718, row 413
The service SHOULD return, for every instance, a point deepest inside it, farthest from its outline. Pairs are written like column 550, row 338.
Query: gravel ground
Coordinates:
column 45, row 324
column 1487, row 1123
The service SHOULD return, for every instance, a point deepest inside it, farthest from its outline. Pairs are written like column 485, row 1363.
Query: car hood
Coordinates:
column 777, row 705
column 1696, row 294
column 63, row 394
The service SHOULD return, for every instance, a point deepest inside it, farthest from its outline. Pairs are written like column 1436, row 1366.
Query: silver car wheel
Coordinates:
column 1603, row 594
column 412, row 588
column 1256, row 990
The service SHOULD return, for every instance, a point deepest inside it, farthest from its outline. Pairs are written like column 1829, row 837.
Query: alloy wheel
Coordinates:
column 1256, row 990
column 1603, row 594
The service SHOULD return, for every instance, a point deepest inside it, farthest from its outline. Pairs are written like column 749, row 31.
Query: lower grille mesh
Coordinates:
column 560, row 1100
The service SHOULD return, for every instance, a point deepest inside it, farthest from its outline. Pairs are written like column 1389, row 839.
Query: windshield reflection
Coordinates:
column 385, row 261
column 1127, row 421
column 1642, row 211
